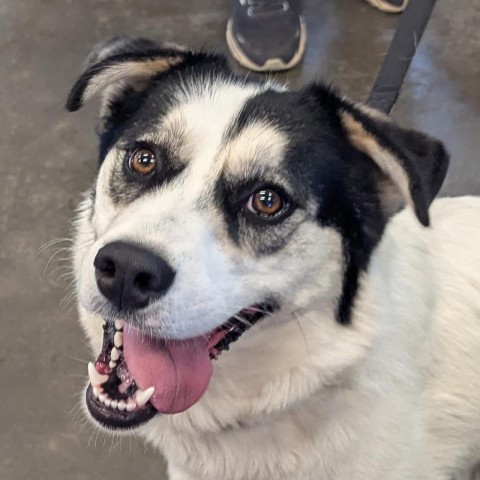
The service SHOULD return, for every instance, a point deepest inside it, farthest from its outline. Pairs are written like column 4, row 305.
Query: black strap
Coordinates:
column 407, row 37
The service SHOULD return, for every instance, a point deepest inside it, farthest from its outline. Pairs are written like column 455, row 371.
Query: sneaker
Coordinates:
column 267, row 35
column 389, row 6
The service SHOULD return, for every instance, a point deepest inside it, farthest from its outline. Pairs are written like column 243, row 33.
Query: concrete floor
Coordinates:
column 48, row 158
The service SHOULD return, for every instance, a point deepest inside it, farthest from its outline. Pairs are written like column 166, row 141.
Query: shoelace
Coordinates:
column 260, row 7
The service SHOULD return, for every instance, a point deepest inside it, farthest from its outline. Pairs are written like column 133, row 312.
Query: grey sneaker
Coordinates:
column 267, row 35
column 389, row 6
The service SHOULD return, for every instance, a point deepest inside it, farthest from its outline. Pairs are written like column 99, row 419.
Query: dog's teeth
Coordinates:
column 102, row 397
column 115, row 354
column 114, row 404
column 96, row 392
column 143, row 396
column 119, row 324
column 121, row 405
column 112, row 364
column 107, row 401
column 96, row 378
column 118, row 339
column 131, row 405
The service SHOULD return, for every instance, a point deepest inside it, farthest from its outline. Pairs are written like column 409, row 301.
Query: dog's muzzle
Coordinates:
column 137, row 375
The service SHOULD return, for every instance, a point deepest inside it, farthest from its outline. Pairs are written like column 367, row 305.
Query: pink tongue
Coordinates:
column 178, row 369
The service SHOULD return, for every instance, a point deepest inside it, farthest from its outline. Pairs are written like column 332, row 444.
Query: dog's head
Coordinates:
column 226, row 208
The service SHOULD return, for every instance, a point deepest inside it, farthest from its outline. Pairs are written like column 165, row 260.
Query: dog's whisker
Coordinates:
column 67, row 275
column 64, row 268
column 242, row 320
column 67, row 298
column 117, row 443
column 55, row 254
column 302, row 331
column 76, row 406
column 71, row 357
column 260, row 310
column 64, row 302
column 63, row 260
column 50, row 244
column 69, row 310
column 80, row 246
column 90, row 438
column 96, row 438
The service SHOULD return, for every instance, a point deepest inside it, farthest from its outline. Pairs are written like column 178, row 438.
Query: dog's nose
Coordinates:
column 130, row 276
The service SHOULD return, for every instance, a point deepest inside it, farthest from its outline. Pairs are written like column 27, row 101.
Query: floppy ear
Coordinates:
column 414, row 165
column 123, row 64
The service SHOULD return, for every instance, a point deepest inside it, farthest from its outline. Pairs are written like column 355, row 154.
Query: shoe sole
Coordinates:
column 388, row 7
column 272, row 64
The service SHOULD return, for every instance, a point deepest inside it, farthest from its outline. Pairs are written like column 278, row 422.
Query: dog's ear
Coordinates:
column 413, row 165
column 123, row 64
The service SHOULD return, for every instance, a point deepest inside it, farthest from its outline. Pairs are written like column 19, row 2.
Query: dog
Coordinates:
column 267, row 283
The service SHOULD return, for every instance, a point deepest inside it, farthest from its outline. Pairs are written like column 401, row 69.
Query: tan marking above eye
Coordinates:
column 142, row 161
column 265, row 202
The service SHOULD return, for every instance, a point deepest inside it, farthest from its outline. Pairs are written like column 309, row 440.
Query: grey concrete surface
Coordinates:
column 47, row 158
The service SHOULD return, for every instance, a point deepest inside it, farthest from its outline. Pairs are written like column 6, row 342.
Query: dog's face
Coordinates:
column 227, row 208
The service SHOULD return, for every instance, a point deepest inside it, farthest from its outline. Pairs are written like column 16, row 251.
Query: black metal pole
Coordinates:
column 407, row 37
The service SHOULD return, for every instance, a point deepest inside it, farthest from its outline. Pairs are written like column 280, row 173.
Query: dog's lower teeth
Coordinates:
column 118, row 339
column 128, row 405
column 112, row 364
column 143, row 396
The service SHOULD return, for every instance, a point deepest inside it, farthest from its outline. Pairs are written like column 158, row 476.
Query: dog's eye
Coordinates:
column 142, row 161
column 266, row 202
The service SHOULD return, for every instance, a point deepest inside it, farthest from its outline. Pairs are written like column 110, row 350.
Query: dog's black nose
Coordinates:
column 130, row 276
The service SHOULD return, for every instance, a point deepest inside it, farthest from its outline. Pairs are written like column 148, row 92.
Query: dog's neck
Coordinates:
column 306, row 441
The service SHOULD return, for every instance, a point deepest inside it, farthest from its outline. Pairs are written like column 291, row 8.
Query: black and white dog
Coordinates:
column 232, row 214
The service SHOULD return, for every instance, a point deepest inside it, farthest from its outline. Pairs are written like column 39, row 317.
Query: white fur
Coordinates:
column 394, row 395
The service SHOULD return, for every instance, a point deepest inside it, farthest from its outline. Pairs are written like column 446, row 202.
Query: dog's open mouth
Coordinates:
column 166, row 376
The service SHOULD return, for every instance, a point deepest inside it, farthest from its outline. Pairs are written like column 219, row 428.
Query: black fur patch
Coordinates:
column 259, row 235
column 321, row 164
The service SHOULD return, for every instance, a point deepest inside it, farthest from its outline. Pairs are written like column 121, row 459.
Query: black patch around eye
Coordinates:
column 264, row 238
column 262, row 235
column 125, row 186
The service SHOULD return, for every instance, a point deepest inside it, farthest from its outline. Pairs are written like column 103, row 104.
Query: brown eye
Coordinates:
column 266, row 202
column 142, row 161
